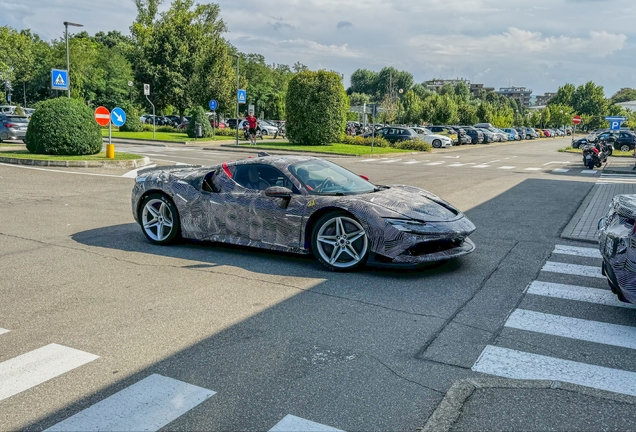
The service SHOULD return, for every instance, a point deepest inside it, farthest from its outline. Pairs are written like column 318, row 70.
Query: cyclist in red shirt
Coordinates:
column 252, row 123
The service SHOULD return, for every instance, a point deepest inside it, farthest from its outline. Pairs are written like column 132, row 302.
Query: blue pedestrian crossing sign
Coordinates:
column 242, row 96
column 118, row 117
column 59, row 79
column 213, row 105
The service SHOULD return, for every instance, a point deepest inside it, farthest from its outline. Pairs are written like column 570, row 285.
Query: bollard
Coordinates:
column 110, row 151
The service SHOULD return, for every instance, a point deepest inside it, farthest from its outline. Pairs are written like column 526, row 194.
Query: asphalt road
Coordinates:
column 271, row 334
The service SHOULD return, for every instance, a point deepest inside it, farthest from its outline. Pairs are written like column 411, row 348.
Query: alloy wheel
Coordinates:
column 342, row 242
column 157, row 220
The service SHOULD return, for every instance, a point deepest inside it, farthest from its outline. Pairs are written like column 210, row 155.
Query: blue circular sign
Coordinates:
column 213, row 105
column 118, row 117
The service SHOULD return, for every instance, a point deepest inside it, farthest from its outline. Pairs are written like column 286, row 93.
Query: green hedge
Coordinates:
column 199, row 116
column 417, row 145
column 226, row 132
column 316, row 108
column 133, row 124
column 361, row 141
column 63, row 126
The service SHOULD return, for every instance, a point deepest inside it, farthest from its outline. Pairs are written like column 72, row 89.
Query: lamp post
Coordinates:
column 237, row 101
column 66, row 24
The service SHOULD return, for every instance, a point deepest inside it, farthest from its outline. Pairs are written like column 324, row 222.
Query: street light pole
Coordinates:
column 68, row 72
column 237, row 101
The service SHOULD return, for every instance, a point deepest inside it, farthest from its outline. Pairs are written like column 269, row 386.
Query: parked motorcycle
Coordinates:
column 246, row 133
column 596, row 155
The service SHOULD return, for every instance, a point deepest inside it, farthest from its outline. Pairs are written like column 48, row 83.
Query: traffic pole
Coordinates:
column 110, row 148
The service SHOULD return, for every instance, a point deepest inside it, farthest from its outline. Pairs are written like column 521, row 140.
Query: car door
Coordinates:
column 262, row 220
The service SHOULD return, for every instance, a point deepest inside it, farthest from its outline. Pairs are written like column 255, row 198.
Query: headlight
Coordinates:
column 407, row 225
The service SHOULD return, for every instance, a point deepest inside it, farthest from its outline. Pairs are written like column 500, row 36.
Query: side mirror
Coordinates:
column 278, row 192
column 364, row 177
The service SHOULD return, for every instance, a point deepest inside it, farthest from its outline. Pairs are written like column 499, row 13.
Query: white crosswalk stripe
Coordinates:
column 292, row 423
column 517, row 364
column 35, row 367
column 507, row 167
column 560, row 170
column 434, row 163
column 588, row 172
column 616, row 179
column 390, row 160
column 456, row 165
column 412, row 162
column 3, row 331
column 532, row 169
column 482, row 166
column 147, row 405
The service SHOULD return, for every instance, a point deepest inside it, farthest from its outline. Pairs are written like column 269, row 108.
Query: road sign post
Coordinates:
column 102, row 117
column 213, row 106
column 59, row 79
column 576, row 120
column 117, row 118
column 154, row 119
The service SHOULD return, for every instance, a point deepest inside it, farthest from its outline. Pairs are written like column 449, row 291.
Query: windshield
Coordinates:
column 13, row 119
column 322, row 177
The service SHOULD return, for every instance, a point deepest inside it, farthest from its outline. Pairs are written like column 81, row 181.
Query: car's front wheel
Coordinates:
column 339, row 242
column 159, row 219
column 437, row 143
column 625, row 148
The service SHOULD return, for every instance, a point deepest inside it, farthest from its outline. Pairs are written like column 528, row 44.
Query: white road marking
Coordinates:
column 507, row 167
column 456, row 165
column 292, row 423
column 588, row 172
column 390, row 160
column 435, row 163
column 412, row 162
column 556, row 163
column 3, row 331
column 133, row 173
column 514, row 364
column 616, row 180
column 147, row 405
column 577, row 251
column 35, row 367
column 532, row 169
column 154, row 154
column 560, row 170
column 59, row 171
column 577, row 293
column 573, row 269
column 451, row 157
column 573, row 328
column 491, row 162
column 369, row 160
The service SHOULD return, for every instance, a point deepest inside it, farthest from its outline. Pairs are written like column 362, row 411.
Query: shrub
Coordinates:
column 133, row 124
column 147, row 128
column 63, row 126
column 226, row 132
column 18, row 110
column 317, row 108
column 417, row 145
column 167, row 129
column 199, row 116
column 361, row 141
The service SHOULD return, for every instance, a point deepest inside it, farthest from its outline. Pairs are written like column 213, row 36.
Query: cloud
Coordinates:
column 343, row 24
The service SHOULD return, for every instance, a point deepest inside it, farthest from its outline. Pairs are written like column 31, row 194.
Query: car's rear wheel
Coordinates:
column 625, row 148
column 437, row 143
column 339, row 242
column 159, row 219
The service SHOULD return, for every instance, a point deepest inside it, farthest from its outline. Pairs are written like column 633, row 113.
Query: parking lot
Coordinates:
column 262, row 336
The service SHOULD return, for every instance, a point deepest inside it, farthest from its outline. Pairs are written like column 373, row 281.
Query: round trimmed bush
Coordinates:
column 133, row 124
column 63, row 126
column 199, row 116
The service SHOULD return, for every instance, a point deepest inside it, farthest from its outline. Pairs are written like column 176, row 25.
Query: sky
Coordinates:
column 538, row 44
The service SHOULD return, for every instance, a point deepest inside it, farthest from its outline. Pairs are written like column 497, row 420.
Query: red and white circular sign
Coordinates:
column 102, row 116
column 576, row 120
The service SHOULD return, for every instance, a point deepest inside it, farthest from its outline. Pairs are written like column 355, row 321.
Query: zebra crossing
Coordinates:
column 485, row 165
column 585, row 338
column 149, row 404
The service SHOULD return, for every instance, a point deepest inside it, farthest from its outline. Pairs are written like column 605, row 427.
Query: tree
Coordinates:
column 462, row 91
column 467, row 114
column 564, row 95
column 445, row 111
column 560, row 115
column 422, row 91
column 535, row 119
column 484, row 112
column 546, row 115
column 359, row 99
column 624, row 95
column 412, row 107
column 317, row 107
column 447, row 89
column 589, row 99
column 389, row 81
column 363, row 81
column 17, row 59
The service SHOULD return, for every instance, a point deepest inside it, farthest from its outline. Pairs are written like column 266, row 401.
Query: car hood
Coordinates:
column 413, row 203
column 439, row 137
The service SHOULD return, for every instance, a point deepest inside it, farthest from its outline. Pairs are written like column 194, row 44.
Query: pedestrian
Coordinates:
column 252, row 123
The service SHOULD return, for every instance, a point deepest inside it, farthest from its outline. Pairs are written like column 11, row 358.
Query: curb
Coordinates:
column 567, row 231
column 134, row 163
column 450, row 408
column 234, row 148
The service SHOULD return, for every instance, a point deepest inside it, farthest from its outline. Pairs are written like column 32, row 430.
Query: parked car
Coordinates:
column 546, row 133
column 531, row 133
column 522, row 133
column 476, row 135
column 489, row 137
column 513, row 135
column 394, row 134
column 462, row 136
column 437, row 141
column 445, row 130
column 540, row 133
column 13, row 127
column 497, row 135
column 231, row 123
column 263, row 126
column 624, row 141
column 7, row 109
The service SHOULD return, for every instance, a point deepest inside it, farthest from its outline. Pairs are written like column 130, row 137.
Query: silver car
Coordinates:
column 13, row 127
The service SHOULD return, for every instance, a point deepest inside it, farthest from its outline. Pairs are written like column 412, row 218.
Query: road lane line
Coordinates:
column 435, row 163
column 577, row 293
column 560, row 170
column 532, row 169
column 59, row 171
column 573, row 269
column 507, row 167
column 588, row 172
column 411, row 162
column 508, row 363
column 133, row 173
column 577, row 251
column 3, row 331
column 149, row 404
column 390, row 160
column 292, row 423
column 369, row 160
column 573, row 328
column 482, row 166
column 456, row 165
column 35, row 367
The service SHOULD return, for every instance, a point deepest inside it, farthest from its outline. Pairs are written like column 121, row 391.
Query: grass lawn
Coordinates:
column 161, row 136
column 616, row 153
column 25, row 154
column 333, row 148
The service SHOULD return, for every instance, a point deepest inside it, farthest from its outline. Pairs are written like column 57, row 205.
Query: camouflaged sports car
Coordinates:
column 617, row 243
column 303, row 205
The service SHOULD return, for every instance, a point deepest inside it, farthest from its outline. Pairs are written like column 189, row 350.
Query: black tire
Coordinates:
column 437, row 143
column 590, row 164
column 175, row 231
column 575, row 145
column 625, row 148
column 326, row 220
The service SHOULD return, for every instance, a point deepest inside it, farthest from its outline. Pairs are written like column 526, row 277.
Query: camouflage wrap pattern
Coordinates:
column 247, row 217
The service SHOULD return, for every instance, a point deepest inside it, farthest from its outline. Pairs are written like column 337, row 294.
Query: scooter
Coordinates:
column 591, row 157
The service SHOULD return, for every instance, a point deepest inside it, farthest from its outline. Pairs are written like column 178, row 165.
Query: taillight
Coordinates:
column 11, row 125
